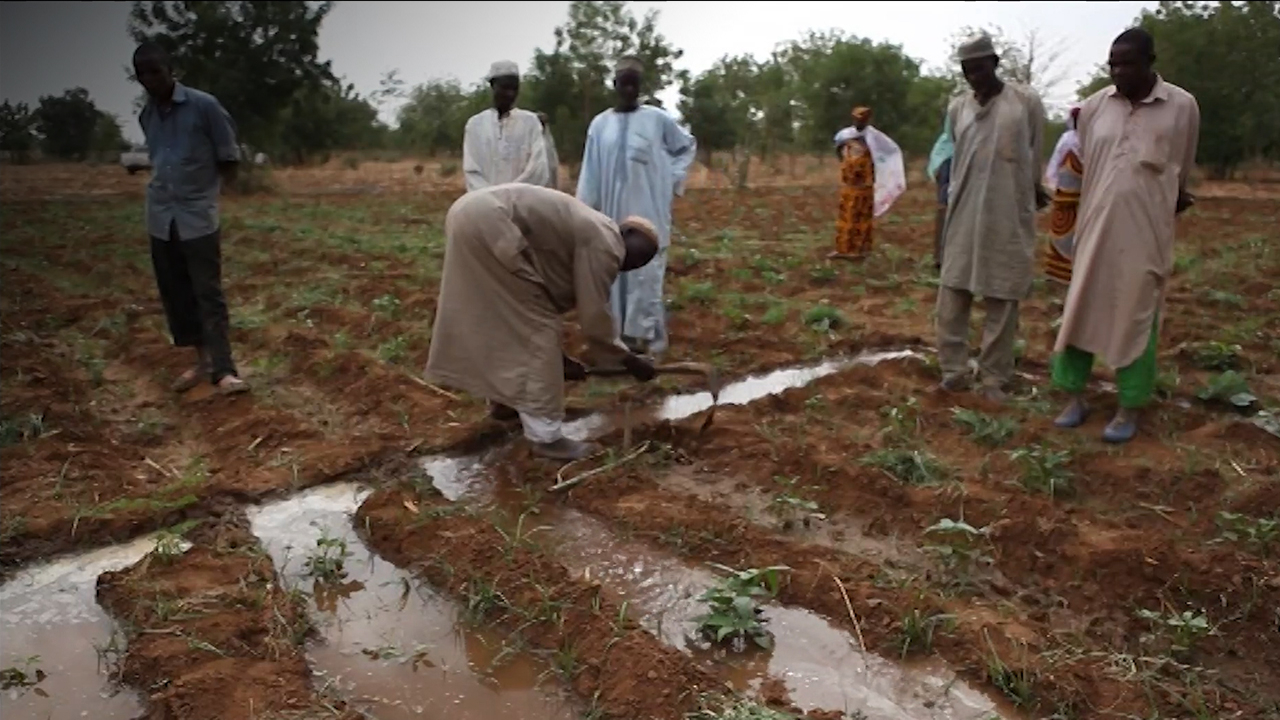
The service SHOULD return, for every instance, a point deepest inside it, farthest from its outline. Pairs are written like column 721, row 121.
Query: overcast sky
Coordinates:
column 47, row 47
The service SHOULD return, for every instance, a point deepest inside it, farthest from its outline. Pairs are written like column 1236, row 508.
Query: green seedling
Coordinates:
column 912, row 467
column 327, row 563
column 1228, row 388
column 983, row 428
column 733, row 613
column 1044, row 471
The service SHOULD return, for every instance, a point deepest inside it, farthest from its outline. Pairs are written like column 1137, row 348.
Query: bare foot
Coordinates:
column 231, row 385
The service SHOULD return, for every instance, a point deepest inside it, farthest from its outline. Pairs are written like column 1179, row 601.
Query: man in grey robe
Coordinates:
column 517, row 258
column 990, row 231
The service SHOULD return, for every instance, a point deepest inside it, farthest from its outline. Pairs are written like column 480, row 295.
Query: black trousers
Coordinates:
column 189, row 276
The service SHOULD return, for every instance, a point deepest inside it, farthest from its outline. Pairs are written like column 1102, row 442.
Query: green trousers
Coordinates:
column 1136, row 382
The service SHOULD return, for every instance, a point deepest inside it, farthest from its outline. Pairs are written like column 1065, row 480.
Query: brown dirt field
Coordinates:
column 332, row 283
column 210, row 633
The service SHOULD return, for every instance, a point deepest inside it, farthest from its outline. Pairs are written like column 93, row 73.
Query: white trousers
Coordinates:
column 541, row 430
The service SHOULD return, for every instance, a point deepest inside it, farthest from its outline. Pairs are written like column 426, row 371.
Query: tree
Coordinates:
column 332, row 116
column 572, row 82
column 817, row 67
column 1101, row 78
column 721, row 104
column 17, row 136
column 108, row 138
column 67, row 124
column 1225, row 54
column 253, row 56
column 435, row 115
column 1032, row 59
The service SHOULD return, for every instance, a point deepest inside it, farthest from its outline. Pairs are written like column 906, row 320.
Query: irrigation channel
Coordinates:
column 393, row 648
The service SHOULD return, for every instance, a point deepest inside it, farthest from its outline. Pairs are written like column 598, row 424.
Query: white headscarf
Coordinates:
column 1069, row 142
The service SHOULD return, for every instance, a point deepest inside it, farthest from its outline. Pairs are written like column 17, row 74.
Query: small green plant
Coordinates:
column 823, row 318
column 482, row 599
column 1215, row 356
column 326, row 564
column 775, row 315
column 913, row 467
column 983, row 428
column 721, row 707
column 1260, row 533
column 23, row 676
column 388, row 305
column 1228, row 388
column 793, row 508
column 960, row 547
column 733, row 613
column 1183, row 630
column 904, row 420
column 703, row 293
column 21, row 429
column 917, row 629
column 1044, row 471
column 823, row 274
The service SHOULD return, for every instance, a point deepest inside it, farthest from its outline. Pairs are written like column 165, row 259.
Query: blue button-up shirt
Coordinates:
column 186, row 142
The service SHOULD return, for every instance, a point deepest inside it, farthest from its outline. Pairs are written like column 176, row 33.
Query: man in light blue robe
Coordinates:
column 635, row 163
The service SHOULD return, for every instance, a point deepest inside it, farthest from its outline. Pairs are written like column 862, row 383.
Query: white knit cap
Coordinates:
column 503, row 68
column 641, row 225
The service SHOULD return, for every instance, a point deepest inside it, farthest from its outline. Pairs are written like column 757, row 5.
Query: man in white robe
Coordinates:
column 635, row 163
column 990, row 235
column 504, row 143
column 518, row 257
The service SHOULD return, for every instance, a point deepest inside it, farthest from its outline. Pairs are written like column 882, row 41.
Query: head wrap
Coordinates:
column 975, row 48
column 503, row 68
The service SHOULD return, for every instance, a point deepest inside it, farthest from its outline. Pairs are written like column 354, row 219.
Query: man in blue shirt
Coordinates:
column 192, row 144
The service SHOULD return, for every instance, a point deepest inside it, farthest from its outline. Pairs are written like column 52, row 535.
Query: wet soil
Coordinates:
column 509, row 582
column 210, row 634
column 389, row 644
column 331, row 295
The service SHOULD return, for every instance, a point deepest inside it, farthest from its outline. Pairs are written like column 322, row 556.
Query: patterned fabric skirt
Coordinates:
column 857, row 202
column 1062, row 220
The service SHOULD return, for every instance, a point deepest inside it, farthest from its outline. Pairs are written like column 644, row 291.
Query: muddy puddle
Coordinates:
column 459, row 477
column 822, row 667
column 57, row 637
column 388, row 645
column 750, row 389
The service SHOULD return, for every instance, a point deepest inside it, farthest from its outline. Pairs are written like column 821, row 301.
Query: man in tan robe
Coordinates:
column 1138, row 143
column 517, row 258
column 990, row 233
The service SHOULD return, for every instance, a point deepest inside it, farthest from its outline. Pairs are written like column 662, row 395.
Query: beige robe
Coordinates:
column 1136, row 158
column 990, row 234
column 517, row 257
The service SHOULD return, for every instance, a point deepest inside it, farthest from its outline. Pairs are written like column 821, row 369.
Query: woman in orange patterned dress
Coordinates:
column 857, row 194
column 1065, row 173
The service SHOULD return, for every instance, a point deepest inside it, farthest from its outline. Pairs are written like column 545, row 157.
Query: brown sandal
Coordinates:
column 187, row 380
